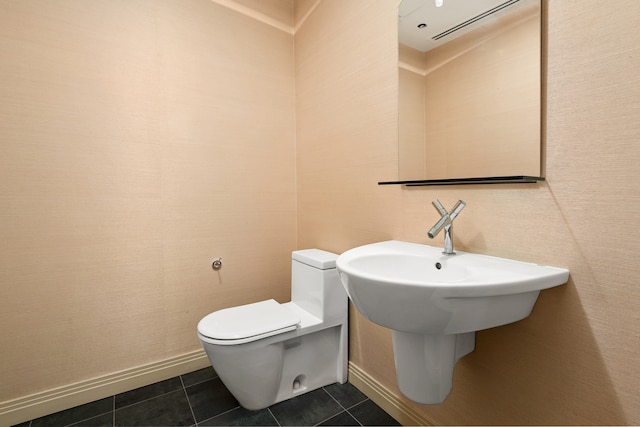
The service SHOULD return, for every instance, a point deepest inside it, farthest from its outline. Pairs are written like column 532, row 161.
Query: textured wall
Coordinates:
column 140, row 140
column 125, row 157
column 574, row 360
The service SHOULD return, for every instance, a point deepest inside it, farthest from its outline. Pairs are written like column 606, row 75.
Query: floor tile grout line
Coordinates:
column 182, row 386
column 150, row 398
column 274, row 417
column 341, row 412
column 162, row 394
column 184, row 389
column 222, row 413
column 356, row 404
column 346, row 408
column 353, row 406
column 336, row 400
column 114, row 409
column 343, row 409
column 354, row 417
column 200, row 382
column 85, row 419
column 145, row 400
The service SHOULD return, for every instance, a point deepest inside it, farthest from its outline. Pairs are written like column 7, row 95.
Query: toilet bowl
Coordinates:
column 267, row 352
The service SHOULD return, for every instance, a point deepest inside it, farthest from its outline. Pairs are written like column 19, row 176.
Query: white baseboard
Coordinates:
column 386, row 399
column 58, row 399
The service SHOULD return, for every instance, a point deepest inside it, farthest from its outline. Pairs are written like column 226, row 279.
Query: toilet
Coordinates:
column 267, row 352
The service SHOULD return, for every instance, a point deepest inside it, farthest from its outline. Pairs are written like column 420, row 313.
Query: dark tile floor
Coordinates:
column 200, row 399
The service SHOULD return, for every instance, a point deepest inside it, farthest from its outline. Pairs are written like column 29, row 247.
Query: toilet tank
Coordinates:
column 315, row 285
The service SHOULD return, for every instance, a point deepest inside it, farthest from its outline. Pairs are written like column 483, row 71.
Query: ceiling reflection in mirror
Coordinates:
column 469, row 89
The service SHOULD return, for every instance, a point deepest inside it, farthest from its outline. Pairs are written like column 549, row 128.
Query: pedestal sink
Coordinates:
column 434, row 303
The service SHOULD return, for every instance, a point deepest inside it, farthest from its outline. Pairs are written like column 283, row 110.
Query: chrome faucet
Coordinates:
column 446, row 222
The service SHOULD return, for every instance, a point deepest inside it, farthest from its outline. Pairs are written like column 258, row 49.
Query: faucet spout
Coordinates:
column 446, row 223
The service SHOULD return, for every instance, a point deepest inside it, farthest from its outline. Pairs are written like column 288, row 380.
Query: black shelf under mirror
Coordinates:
column 519, row 179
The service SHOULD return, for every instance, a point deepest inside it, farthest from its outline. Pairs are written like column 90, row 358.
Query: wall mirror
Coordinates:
column 470, row 91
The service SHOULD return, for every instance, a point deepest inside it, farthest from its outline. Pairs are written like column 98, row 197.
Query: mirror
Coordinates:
column 469, row 90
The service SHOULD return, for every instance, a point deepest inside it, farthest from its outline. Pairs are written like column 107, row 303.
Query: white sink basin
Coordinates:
column 415, row 288
column 434, row 303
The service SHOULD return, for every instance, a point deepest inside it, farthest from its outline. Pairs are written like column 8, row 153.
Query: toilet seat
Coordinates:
column 246, row 323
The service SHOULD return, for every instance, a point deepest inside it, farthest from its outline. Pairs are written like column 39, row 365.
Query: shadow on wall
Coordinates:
column 545, row 369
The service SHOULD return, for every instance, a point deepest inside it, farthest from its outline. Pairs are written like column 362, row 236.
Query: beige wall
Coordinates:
column 129, row 129
column 574, row 360
column 139, row 141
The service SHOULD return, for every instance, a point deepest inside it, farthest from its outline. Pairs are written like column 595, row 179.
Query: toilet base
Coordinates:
column 260, row 375
column 310, row 362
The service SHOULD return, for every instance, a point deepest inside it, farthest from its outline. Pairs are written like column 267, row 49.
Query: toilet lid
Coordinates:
column 248, row 322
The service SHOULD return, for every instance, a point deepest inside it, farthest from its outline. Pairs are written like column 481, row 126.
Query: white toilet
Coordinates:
column 267, row 352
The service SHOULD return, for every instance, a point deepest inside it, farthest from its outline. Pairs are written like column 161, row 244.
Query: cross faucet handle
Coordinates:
column 457, row 209
column 454, row 211
column 436, row 204
column 446, row 222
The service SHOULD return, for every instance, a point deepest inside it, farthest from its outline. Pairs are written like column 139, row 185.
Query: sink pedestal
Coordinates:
column 424, row 363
